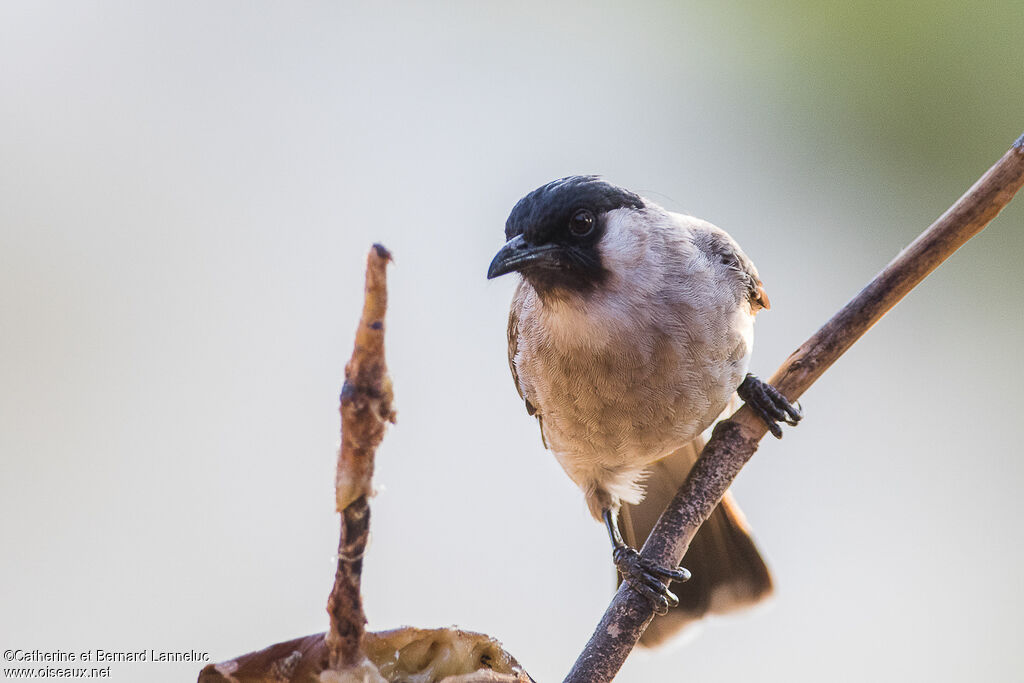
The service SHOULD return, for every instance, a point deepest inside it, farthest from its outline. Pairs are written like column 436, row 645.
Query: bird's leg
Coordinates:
column 769, row 403
column 647, row 579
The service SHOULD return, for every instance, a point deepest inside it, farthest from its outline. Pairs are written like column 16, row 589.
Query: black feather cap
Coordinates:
column 541, row 215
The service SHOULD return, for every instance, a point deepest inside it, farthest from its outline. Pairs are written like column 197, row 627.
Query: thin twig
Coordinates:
column 346, row 654
column 365, row 411
column 736, row 439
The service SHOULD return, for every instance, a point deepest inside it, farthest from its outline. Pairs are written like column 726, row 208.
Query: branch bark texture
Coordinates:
column 365, row 412
column 735, row 440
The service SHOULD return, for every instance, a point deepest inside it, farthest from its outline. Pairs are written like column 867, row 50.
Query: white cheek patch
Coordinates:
column 625, row 242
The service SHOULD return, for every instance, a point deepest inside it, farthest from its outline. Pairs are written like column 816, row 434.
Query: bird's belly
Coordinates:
column 628, row 407
column 630, row 430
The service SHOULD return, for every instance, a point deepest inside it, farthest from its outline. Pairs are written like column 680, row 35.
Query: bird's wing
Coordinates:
column 513, row 345
column 720, row 245
column 513, row 348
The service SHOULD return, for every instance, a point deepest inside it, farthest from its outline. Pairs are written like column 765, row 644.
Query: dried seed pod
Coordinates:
column 409, row 655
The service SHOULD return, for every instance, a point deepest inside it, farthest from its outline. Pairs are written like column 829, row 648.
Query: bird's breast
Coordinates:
column 619, row 387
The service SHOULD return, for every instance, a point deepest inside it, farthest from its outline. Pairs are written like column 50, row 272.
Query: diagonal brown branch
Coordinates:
column 736, row 439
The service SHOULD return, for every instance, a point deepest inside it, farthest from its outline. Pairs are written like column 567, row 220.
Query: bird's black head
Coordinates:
column 552, row 233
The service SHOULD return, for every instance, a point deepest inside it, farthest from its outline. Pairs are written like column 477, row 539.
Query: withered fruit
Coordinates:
column 403, row 655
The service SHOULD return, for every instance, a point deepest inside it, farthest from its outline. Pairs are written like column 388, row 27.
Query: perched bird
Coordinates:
column 629, row 334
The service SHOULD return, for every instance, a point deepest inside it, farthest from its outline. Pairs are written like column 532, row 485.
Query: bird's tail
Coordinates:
column 728, row 571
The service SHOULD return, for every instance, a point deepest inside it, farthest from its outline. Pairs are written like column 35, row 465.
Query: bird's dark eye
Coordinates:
column 581, row 223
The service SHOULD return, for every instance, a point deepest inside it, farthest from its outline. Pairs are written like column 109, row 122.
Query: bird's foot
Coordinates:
column 769, row 404
column 647, row 579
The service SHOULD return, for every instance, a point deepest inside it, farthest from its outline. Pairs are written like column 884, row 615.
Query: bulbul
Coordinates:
column 629, row 334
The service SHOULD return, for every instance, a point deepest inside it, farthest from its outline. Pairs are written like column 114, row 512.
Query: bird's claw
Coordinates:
column 769, row 403
column 648, row 579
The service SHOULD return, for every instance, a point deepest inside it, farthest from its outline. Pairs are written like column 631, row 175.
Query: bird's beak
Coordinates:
column 518, row 253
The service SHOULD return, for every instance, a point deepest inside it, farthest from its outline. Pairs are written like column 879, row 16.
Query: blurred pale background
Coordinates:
column 187, row 193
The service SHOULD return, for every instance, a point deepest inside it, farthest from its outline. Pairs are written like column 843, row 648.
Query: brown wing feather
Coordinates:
column 720, row 245
column 513, row 335
column 513, row 348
